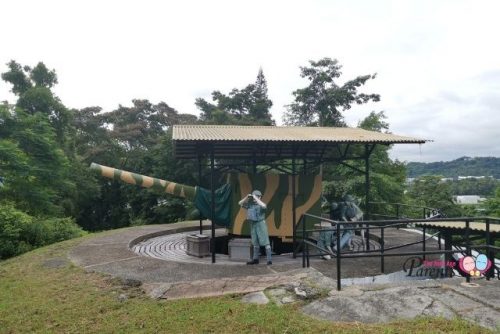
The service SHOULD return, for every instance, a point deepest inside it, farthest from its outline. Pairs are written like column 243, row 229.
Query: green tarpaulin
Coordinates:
column 203, row 202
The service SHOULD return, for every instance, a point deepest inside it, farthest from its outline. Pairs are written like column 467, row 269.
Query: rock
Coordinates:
column 255, row 298
column 276, row 292
column 287, row 300
column 300, row 293
column 122, row 297
column 130, row 282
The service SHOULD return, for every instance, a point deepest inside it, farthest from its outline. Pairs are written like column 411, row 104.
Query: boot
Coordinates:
column 254, row 261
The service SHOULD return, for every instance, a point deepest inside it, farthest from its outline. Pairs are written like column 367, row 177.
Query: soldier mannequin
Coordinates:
column 256, row 216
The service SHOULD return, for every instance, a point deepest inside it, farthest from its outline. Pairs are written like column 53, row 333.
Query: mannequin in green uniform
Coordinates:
column 256, row 215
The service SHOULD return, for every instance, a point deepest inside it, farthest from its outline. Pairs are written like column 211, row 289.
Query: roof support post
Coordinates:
column 294, row 218
column 367, row 190
column 212, row 192
column 199, row 183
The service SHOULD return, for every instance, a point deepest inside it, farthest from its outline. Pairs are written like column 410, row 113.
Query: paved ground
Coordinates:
column 177, row 278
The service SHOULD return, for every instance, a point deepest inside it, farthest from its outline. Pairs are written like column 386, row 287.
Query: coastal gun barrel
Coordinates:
column 176, row 189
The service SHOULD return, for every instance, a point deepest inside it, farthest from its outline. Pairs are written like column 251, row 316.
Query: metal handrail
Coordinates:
column 382, row 225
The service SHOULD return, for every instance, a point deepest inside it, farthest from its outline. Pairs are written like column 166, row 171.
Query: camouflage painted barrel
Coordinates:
column 176, row 189
column 276, row 193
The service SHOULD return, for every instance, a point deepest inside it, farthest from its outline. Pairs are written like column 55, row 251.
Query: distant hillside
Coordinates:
column 465, row 166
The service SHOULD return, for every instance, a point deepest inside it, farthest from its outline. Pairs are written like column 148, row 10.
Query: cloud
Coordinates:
column 462, row 122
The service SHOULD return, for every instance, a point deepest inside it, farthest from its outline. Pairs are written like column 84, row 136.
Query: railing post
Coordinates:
column 382, row 268
column 467, row 245
column 338, row 257
column 294, row 217
column 212, row 195
column 397, row 210
column 447, row 246
column 367, row 238
column 199, row 182
column 423, row 241
column 307, row 257
column 489, row 253
column 302, row 221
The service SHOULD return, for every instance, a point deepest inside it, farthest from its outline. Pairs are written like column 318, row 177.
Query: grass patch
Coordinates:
column 40, row 293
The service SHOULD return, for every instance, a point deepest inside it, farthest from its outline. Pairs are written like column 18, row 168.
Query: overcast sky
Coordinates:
column 437, row 62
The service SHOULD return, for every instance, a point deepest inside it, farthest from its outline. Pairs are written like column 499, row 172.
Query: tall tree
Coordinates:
column 248, row 106
column 322, row 102
column 131, row 138
column 36, row 170
column 33, row 86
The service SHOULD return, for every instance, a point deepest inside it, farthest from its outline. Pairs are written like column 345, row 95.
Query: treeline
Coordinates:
column 465, row 166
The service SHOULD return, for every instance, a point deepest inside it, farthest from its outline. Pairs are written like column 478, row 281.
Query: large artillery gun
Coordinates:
column 276, row 189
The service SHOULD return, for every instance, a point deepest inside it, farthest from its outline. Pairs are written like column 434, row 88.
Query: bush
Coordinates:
column 48, row 231
column 20, row 232
column 13, row 227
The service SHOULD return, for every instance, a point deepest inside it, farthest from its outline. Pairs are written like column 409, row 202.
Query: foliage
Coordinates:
column 322, row 102
column 20, row 232
column 248, row 106
column 133, row 138
column 465, row 166
column 13, row 227
column 430, row 191
column 35, row 168
column 491, row 206
column 386, row 176
column 32, row 86
column 483, row 187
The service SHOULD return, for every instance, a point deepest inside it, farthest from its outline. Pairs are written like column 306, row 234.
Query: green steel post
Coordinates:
column 367, row 193
column 423, row 241
column 490, row 271
column 467, row 244
column 303, row 221
column 382, row 264
column 293, row 210
column 338, row 257
column 199, row 182
column 212, row 190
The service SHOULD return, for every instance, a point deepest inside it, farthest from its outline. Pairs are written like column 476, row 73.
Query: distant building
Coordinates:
column 471, row 177
column 469, row 199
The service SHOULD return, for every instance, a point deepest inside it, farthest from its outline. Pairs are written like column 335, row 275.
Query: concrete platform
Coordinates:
column 171, row 274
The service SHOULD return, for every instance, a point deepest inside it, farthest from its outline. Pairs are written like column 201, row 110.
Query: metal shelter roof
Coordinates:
column 230, row 141
column 460, row 225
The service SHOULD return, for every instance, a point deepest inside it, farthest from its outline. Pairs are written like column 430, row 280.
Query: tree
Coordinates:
column 33, row 89
column 322, row 102
column 430, row 191
column 130, row 138
column 36, row 170
column 387, row 177
column 492, row 205
column 248, row 106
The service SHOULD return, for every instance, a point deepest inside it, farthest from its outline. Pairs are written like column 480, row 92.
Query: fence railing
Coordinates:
column 402, row 210
column 304, row 235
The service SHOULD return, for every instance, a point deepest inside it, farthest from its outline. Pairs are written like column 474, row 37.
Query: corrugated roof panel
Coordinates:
column 283, row 133
column 461, row 225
